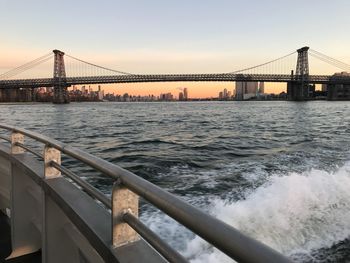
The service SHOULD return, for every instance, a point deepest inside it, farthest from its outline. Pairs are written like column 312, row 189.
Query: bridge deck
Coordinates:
column 222, row 77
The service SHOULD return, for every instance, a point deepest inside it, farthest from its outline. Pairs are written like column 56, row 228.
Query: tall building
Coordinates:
column 225, row 93
column 261, row 87
column 221, row 95
column 246, row 90
column 166, row 96
column 100, row 93
column 185, row 94
column 181, row 96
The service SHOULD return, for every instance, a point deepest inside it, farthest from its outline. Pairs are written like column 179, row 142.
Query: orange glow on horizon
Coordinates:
column 195, row 89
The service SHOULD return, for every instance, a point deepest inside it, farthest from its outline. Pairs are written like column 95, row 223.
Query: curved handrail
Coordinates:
column 223, row 236
column 5, row 138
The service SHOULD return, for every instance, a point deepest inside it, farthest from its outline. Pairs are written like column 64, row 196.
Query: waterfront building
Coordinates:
column 126, row 97
column 339, row 91
column 185, row 94
column 261, row 87
column 225, row 93
column 166, row 97
column 100, row 93
column 18, row 95
column 246, row 90
column 181, row 96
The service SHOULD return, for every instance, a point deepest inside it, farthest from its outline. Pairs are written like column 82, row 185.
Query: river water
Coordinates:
column 278, row 171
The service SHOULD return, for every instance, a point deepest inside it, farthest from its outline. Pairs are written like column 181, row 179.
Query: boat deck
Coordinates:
column 5, row 245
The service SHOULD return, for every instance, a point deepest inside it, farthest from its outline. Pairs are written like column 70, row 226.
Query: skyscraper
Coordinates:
column 246, row 90
column 261, row 87
column 225, row 93
column 185, row 94
column 181, row 96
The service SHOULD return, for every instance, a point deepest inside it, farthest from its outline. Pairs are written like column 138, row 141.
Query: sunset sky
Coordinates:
column 180, row 36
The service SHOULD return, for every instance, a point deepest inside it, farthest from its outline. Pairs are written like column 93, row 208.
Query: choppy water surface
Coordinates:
column 278, row 171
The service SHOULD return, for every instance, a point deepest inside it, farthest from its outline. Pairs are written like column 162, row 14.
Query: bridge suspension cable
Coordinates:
column 263, row 64
column 329, row 60
column 99, row 67
column 27, row 66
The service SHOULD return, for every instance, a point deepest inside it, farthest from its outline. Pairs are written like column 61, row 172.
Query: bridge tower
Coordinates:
column 60, row 94
column 298, row 88
column 302, row 62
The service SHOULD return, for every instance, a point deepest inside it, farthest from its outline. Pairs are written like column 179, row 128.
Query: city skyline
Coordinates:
column 160, row 37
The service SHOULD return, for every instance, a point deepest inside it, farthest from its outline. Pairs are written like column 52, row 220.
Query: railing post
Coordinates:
column 16, row 137
column 123, row 201
column 51, row 154
column 52, row 217
column 24, row 208
column 62, row 241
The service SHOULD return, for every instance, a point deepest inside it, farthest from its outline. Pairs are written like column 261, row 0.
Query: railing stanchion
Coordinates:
column 51, row 154
column 52, row 243
column 25, row 238
column 16, row 137
column 123, row 201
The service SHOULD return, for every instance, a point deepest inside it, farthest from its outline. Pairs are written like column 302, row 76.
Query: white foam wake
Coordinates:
column 296, row 213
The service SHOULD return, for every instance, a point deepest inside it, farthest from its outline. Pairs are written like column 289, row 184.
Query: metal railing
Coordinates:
column 124, row 204
column 4, row 138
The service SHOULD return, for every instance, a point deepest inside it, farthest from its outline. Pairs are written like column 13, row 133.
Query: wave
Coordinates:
column 295, row 214
column 151, row 141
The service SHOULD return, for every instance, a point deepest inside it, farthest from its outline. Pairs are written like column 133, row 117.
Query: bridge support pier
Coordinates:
column 12, row 94
column 332, row 92
column 60, row 94
column 297, row 91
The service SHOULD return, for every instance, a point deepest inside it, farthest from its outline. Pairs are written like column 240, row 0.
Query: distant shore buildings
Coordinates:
column 242, row 91
column 86, row 94
column 183, row 95
column 225, row 95
column 248, row 90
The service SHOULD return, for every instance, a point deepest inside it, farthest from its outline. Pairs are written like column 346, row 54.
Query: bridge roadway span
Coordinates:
column 135, row 78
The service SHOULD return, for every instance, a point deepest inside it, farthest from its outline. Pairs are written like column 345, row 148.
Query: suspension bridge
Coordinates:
column 277, row 70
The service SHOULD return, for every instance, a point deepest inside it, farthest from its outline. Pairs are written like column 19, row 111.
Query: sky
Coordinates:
column 160, row 36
